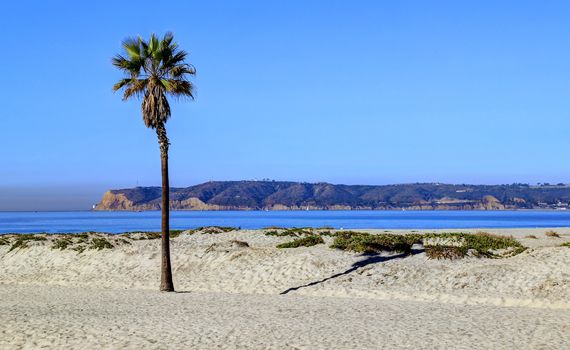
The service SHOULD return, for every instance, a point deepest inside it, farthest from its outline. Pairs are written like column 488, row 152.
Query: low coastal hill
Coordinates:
column 282, row 195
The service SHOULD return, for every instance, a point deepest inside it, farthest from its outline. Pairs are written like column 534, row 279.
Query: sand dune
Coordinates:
column 538, row 277
column 216, row 267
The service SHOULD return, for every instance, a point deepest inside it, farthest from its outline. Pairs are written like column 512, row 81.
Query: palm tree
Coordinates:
column 155, row 69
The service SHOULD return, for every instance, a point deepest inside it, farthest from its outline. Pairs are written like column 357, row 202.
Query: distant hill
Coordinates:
column 282, row 195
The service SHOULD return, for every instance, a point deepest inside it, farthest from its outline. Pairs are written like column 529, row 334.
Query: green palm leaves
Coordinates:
column 154, row 69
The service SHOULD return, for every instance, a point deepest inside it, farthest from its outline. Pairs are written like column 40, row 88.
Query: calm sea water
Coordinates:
column 79, row 221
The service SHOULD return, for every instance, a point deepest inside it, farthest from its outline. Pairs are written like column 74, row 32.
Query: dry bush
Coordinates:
column 445, row 252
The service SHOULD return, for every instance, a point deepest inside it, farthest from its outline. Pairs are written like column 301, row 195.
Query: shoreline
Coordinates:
column 498, row 230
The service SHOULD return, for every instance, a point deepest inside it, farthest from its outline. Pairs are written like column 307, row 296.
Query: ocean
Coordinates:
column 116, row 222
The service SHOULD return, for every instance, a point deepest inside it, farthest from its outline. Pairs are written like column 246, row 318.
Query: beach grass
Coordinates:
column 62, row 243
column 447, row 245
column 22, row 240
column 437, row 245
column 150, row 234
column 361, row 242
column 481, row 244
column 4, row 241
column 308, row 241
column 214, row 229
column 299, row 231
column 100, row 243
column 291, row 232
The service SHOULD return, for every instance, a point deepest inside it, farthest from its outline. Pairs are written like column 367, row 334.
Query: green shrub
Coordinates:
column 303, row 242
column 82, row 236
column 22, row 240
column 361, row 242
column 215, row 229
column 152, row 234
column 567, row 244
column 4, row 241
column 62, row 243
column 79, row 248
column 31, row 237
column 288, row 233
column 444, row 252
column 480, row 244
column 124, row 241
column 100, row 243
column 175, row 233
column 274, row 233
column 437, row 245
column 297, row 232
column 326, row 233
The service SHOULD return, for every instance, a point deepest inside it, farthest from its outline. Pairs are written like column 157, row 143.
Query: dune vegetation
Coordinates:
column 446, row 245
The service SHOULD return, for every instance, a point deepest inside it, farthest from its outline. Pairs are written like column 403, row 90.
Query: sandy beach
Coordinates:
column 237, row 290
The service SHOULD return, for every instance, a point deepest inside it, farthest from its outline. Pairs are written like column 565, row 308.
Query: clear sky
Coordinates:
column 356, row 92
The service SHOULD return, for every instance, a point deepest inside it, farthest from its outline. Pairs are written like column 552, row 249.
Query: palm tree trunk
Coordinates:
column 166, row 284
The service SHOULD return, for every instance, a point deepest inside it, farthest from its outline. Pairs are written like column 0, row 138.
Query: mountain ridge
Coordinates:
column 289, row 195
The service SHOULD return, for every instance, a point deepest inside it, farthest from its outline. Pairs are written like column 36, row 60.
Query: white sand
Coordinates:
column 68, row 317
column 335, row 300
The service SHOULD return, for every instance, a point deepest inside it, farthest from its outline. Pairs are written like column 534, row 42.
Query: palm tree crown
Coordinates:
column 154, row 69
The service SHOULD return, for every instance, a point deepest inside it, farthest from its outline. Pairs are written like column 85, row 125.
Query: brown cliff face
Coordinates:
column 491, row 203
column 112, row 201
column 119, row 201
column 193, row 204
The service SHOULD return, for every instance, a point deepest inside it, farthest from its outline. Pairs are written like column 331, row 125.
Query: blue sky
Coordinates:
column 368, row 92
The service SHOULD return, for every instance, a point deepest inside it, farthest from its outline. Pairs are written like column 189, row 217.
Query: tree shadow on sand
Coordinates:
column 372, row 258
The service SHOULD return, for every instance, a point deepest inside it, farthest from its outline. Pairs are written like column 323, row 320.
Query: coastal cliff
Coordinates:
column 281, row 195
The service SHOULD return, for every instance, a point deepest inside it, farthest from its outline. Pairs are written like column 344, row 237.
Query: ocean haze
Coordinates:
column 49, row 197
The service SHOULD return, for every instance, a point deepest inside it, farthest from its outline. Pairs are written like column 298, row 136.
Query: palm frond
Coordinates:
column 177, row 58
column 136, row 87
column 144, row 47
column 132, row 67
column 167, row 39
column 132, row 47
column 121, row 83
column 181, row 70
column 179, row 87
